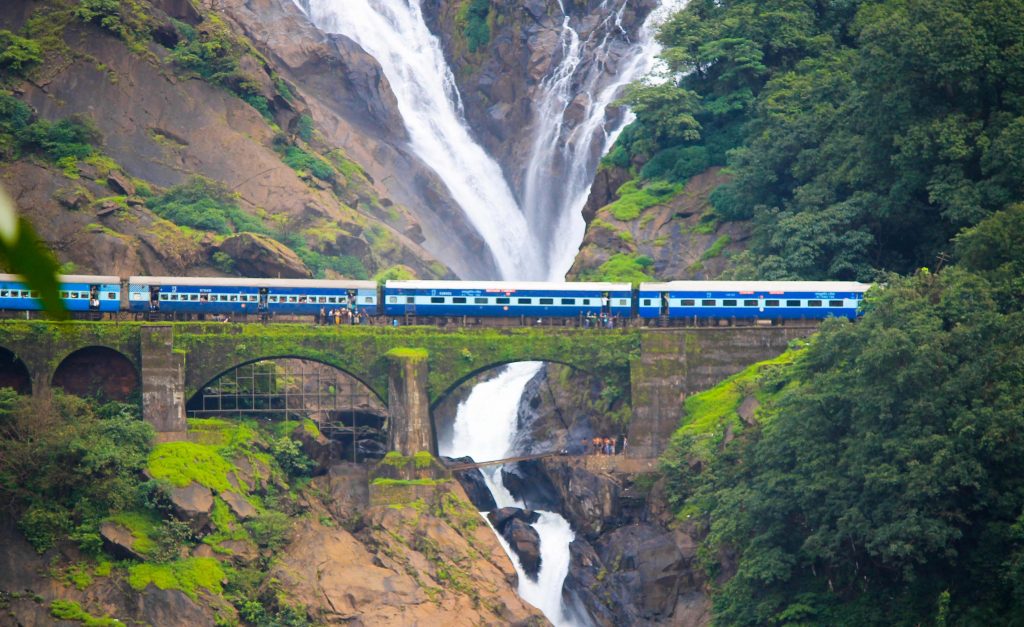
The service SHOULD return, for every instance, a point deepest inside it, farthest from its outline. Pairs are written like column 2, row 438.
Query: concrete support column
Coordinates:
column 657, row 389
column 409, row 426
column 163, row 383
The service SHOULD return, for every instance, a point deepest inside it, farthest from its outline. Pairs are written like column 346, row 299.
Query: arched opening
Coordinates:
column 14, row 373
column 97, row 371
column 346, row 410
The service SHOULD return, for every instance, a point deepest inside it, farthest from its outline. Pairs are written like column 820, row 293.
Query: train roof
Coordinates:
column 69, row 278
column 239, row 282
column 756, row 286
column 509, row 285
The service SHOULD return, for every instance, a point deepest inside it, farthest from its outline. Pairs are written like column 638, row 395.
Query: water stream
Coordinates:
column 535, row 239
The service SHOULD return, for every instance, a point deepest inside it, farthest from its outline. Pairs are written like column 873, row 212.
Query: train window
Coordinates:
column 272, row 299
column 193, row 297
column 647, row 302
column 392, row 299
column 687, row 302
column 332, row 299
column 771, row 303
column 111, row 295
column 835, row 303
column 174, row 297
column 623, row 302
column 568, row 301
column 708, row 302
column 547, row 301
column 164, row 296
column 586, row 301
column 750, row 302
column 409, row 300
column 480, row 301
column 524, row 301
column 437, row 299
column 729, row 303
column 321, row 299
column 459, row 300
column 343, row 299
column 792, row 303
column 252, row 298
column 293, row 299
column 503, row 301
column 63, row 294
column 368, row 299
column 814, row 303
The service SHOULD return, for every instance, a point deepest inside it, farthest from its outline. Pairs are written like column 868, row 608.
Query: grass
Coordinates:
column 634, row 199
column 62, row 609
column 141, row 525
column 181, row 463
column 187, row 575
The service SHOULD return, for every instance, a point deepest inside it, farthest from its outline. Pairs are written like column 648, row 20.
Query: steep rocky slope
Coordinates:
column 279, row 148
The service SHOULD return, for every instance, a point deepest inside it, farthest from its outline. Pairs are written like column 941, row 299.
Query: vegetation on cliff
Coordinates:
column 884, row 483
column 861, row 136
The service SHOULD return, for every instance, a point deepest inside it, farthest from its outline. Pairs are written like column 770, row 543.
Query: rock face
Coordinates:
column 239, row 505
column 676, row 235
column 525, row 541
column 258, row 255
column 118, row 541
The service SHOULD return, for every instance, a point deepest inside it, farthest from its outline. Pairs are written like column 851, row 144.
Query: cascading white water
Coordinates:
column 394, row 32
column 485, row 425
column 567, row 152
column 539, row 243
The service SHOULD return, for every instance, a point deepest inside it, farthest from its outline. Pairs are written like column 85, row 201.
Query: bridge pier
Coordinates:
column 163, row 383
column 410, row 429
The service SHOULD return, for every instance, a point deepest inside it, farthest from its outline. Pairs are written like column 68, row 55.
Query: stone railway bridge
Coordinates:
column 411, row 369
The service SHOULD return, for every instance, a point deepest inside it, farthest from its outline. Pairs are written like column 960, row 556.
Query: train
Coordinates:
column 697, row 302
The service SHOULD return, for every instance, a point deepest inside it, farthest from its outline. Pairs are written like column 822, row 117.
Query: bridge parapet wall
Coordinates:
column 672, row 365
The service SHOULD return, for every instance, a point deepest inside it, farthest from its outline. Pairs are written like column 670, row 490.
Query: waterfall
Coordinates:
column 537, row 242
column 395, row 34
column 570, row 153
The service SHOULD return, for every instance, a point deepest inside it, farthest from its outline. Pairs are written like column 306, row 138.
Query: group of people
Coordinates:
column 604, row 446
column 341, row 315
column 599, row 321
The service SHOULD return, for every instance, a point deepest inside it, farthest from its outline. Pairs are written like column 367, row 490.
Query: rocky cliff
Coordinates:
column 297, row 128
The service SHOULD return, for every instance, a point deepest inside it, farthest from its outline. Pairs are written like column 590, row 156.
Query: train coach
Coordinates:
column 506, row 299
column 766, row 300
column 80, row 293
column 232, row 296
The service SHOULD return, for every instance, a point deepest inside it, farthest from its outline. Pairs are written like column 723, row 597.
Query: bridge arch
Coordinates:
column 192, row 391
column 14, row 373
column 478, row 370
column 97, row 370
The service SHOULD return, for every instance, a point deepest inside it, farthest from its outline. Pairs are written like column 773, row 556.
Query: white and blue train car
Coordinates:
column 506, row 298
column 751, row 299
column 79, row 293
column 178, row 295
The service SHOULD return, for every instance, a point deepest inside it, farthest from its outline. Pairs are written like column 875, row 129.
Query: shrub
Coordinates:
column 633, row 199
column 270, row 530
column 290, row 457
column 70, row 137
column 304, row 127
column 18, row 54
column 204, row 204
column 677, row 164
column 302, row 161
column 472, row 16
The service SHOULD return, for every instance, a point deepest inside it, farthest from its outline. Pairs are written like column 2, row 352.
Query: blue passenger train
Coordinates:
column 697, row 302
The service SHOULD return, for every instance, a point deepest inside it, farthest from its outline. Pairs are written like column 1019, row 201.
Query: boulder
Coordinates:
column 501, row 517
column 239, row 505
column 242, row 552
column 529, row 483
column 525, row 541
column 192, row 504
column 121, row 183
column 260, row 256
column 472, row 481
column 651, row 569
column 323, row 451
column 118, row 541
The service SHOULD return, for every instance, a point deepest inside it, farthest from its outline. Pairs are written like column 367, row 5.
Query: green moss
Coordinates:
column 142, row 526
column 633, row 199
column 62, row 609
column 103, row 568
column 423, row 459
column 412, row 354
column 716, row 248
column 181, row 463
column 188, row 575
column 310, row 428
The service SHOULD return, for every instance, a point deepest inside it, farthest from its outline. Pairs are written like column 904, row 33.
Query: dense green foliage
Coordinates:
column 66, row 469
column 204, row 204
column 18, row 54
column 862, row 135
column 623, row 267
column 886, row 484
column 472, row 18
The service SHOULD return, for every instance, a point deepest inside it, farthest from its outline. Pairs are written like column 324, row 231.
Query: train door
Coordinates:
column 605, row 303
column 94, row 298
column 664, row 303
column 154, row 298
column 261, row 305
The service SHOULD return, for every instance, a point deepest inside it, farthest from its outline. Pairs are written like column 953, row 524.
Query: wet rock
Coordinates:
column 472, row 481
column 583, row 586
column 118, row 541
column 239, row 505
column 501, row 517
column 192, row 504
column 528, row 483
column 525, row 541
column 645, row 567
column 260, row 256
column 591, row 502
